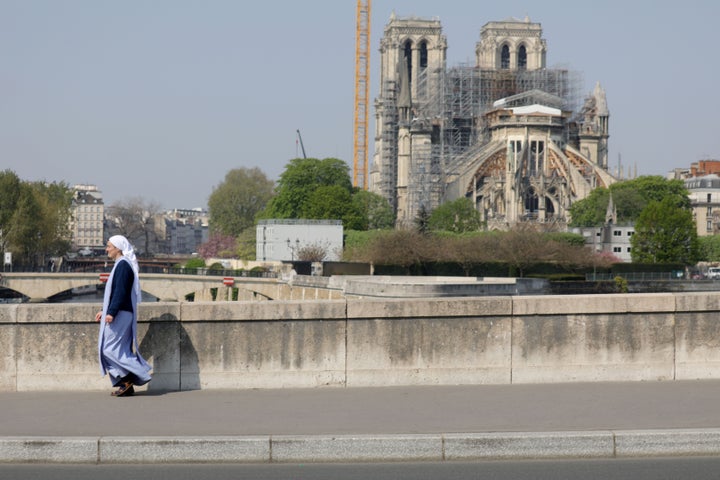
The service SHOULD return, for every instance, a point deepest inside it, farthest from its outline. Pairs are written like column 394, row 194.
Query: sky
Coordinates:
column 159, row 99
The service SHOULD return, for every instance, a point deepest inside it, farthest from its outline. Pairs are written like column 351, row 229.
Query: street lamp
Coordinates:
column 293, row 248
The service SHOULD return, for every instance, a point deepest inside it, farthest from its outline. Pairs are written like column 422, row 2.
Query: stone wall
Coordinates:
column 379, row 342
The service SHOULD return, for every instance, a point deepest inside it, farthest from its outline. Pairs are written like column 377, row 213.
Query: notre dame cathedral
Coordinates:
column 509, row 133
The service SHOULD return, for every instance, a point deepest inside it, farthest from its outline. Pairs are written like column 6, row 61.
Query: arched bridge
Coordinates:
column 38, row 287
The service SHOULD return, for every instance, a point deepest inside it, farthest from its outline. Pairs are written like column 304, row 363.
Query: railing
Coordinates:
column 149, row 269
column 637, row 276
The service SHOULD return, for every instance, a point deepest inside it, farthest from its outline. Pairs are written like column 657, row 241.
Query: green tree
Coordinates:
column 375, row 208
column 709, row 248
column 25, row 232
column 55, row 200
column 422, row 220
column 301, row 178
column 37, row 227
column 629, row 198
column 234, row 203
column 246, row 244
column 458, row 216
column 328, row 202
column 665, row 233
column 10, row 186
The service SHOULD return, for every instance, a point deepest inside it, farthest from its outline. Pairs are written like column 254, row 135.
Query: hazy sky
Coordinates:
column 161, row 98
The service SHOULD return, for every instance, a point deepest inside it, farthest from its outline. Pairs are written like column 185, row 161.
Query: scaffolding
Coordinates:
column 450, row 106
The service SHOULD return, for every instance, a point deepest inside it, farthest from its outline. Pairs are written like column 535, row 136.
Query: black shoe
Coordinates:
column 124, row 390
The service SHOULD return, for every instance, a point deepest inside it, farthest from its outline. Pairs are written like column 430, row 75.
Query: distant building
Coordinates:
column 610, row 237
column 282, row 240
column 181, row 231
column 704, row 193
column 86, row 223
column 703, row 185
column 507, row 132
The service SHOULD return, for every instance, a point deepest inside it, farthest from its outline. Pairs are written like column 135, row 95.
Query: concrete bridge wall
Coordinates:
column 380, row 342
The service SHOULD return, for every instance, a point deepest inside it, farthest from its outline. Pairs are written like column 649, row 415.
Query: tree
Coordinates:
column 421, row 220
column 35, row 218
column 375, row 208
column 328, row 202
column 458, row 216
column 135, row 219
column 590, row 211
column 55, row 200
column 246, row 244
column 709, row 248
column 523, row 246
column 301, row 178
column 10, row 185
column 629, row 198
column 665, row 233
column 312, row 253
column 234, row 203
column 218, row 246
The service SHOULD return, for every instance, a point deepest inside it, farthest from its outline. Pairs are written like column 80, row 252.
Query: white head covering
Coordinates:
column 129, row 253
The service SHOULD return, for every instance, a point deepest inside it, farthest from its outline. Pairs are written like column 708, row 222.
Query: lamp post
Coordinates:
column 292, row 248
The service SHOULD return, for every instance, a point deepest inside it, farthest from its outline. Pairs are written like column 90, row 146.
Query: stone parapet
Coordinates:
column 375, row 342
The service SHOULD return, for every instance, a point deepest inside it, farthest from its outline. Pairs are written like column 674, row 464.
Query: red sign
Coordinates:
column 228, row 281
column 104, row 277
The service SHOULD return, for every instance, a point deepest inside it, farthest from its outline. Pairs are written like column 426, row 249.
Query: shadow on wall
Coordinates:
column 167, row 347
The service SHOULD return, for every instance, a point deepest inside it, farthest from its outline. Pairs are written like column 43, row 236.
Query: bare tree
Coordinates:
column 312, row 253
column 135, row 218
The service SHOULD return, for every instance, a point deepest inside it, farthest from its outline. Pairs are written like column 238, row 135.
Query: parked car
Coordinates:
column 713, row 273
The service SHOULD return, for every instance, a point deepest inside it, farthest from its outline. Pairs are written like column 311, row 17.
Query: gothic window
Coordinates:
column 549, row 207
column 522, row 58
column 531, row 203
column 408, row 58
column 423, row 55
column 537, row 154
column 505, row 57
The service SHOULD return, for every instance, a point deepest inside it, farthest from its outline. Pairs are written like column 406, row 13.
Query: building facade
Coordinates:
column 283, row 240
column 507, row 132
column 704, row 193
column 88, row 211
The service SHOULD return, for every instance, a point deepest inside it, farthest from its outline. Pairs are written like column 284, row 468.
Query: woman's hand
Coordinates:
column 98, row 316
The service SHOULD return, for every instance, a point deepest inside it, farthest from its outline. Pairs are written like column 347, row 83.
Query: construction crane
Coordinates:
column 301, row 143
column 362, row 80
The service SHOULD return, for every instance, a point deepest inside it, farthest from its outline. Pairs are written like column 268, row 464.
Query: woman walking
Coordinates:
column 117, row 342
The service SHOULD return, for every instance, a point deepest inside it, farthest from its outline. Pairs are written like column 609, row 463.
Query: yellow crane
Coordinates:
column 362, row 80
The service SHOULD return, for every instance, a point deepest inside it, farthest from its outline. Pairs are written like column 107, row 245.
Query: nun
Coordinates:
column 117, row 342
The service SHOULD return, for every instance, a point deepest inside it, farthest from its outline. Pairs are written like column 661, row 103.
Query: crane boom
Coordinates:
column 362, row 80
column 301, row 144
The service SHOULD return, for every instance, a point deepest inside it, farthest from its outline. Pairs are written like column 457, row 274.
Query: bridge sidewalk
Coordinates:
column 363, row 424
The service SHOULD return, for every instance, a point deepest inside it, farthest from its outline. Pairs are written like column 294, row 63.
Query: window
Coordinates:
column 505, row 57
column 522, row 58
column 629, row 249
column 617, row 233
column 617, row 249
column 408, row 59
column 709, row 197
column 630, row 234
column 423, row 55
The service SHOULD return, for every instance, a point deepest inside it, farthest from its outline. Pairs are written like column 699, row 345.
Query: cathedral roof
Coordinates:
column 536, row 108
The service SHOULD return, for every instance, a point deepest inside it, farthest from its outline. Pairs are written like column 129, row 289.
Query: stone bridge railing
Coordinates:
column 38, row 287
column 376, row 342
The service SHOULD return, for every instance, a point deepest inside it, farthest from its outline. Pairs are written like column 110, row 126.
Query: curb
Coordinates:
column 360, row 448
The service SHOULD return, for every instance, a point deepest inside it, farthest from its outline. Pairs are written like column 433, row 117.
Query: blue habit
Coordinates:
column 117, row 341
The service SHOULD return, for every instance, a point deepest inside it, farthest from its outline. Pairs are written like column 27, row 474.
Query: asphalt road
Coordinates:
column 696, row 468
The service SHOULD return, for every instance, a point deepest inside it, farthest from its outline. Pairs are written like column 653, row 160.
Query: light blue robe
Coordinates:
column 117, row 341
